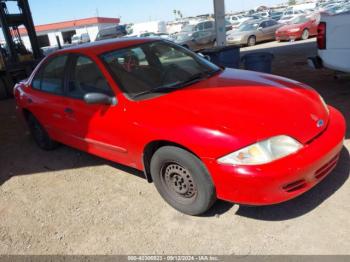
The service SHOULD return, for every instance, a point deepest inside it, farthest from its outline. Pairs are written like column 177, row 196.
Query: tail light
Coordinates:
column 321, row 35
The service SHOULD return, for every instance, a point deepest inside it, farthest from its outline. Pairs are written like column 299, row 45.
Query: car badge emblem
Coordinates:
column 320, row 123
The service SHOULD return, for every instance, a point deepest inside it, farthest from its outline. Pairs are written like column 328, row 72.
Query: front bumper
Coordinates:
column 286, row 36
column 235, row 41
column 283, row 179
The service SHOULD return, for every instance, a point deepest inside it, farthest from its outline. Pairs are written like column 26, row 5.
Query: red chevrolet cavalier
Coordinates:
column 197, row 131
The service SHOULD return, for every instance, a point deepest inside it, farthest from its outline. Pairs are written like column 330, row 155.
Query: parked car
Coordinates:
column 276, row 15
column 264, row 14
column 299, row 28
column 80, row 39
column 287, row 19
column 111, row 32
column 196, row 37
column 150, row 26
column 290, row 12
column 155, row 35
column 252, row 32
column 197, row 131
column 236, row 20
column 333, row 42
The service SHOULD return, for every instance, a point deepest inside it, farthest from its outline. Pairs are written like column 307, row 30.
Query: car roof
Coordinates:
column 103, row 46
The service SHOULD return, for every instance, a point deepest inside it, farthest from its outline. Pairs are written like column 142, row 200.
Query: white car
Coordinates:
column 287, row 19
column 333, row 42
column 236, row 20
column 80, row 39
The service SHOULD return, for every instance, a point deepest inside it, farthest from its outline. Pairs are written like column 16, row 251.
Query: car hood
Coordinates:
column 243, row 105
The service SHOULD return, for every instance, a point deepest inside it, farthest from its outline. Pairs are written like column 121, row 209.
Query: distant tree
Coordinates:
column 292, row 2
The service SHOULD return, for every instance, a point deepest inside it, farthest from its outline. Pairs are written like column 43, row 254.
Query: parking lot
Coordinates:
column 69, row 202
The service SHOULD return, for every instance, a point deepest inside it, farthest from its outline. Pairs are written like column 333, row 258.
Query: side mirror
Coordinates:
column 260, row 28
column 99, row 99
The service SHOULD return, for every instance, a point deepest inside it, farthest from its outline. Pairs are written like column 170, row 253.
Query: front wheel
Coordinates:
column 305, row 35
column 182, row 180
column 251, row 41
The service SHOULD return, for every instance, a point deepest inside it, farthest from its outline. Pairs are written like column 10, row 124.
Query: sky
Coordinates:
column 129, row 11
column 50, row 11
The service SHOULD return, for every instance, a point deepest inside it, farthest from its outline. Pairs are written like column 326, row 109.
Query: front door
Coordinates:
column 97, row 129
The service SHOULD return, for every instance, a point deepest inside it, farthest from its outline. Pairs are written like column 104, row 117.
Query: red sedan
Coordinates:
column 299, row 28
column 197, row 131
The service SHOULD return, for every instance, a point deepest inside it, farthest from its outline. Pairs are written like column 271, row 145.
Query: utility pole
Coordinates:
column 220, row 25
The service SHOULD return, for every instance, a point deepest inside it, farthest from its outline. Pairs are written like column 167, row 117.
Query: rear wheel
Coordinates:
column 182, row 180
column 251, row 41
column 305, row 35
column 40, row 135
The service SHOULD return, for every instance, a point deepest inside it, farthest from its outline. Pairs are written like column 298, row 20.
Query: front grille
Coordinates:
column 327, row 168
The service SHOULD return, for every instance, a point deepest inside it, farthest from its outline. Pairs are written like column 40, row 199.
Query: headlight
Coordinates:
column 263, row 152
column 324, row 104
column 294, row 30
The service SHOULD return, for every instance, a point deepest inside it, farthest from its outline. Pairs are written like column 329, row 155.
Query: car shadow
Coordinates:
column 305, row 203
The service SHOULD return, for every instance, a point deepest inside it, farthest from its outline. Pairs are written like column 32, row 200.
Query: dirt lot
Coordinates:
column 68, row 202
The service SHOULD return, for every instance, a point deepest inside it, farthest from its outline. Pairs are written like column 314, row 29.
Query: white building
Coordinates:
column 49, row 33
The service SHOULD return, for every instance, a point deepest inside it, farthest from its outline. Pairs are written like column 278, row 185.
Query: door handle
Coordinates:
column 69, row 111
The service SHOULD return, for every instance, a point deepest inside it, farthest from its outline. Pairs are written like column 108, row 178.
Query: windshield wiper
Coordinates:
column 193, row 79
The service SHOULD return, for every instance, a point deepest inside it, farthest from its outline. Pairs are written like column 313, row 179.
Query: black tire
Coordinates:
column 182, row 180
column 251, row 41
column 41, row 137
column 305, row 35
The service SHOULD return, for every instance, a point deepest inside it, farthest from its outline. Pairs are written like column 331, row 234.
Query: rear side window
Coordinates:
column 50, row 77
column 86, row 77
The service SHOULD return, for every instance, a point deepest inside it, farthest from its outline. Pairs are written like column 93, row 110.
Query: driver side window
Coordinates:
column 86, row 77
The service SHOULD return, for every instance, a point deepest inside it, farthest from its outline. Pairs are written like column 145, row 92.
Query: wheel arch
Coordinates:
column 254, row 36
column 151, row 148
column 26, row 113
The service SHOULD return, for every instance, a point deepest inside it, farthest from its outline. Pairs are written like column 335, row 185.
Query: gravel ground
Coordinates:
column 69, row 202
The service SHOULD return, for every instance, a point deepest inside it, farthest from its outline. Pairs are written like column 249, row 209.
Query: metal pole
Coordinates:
column 7, row 33
column 29, row 24
column 219, row 14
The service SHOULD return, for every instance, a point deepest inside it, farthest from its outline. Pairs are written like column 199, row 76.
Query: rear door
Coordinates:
column 45, row 98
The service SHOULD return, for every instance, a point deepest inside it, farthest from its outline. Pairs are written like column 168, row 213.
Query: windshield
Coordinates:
column 286, row 18
column 248, row 27
column 300, row 20
column 188, row 28
column 154, row 67
column 183, row 37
